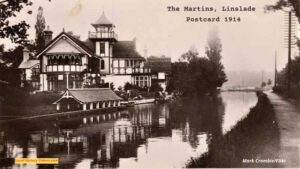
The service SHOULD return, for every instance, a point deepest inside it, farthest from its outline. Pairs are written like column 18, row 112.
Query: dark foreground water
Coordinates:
column 145, row 136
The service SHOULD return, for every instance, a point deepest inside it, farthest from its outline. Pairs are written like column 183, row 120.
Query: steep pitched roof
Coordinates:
column 159, row 64
column 90, row 44
column 87, row 95
column 102, row 21
column 73, row 39
column 29, row 64
column 126, row 49
column 121, row 49
column 81, row 44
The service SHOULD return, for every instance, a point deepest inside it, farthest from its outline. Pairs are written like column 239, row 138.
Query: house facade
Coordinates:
column 66, row 62
column 120, row 62
column 161, row 70
column 30, row 70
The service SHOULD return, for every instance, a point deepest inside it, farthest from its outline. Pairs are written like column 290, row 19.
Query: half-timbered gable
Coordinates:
column 64, row 62
column 68, row 63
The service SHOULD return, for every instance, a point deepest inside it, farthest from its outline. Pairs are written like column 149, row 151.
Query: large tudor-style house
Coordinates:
column 66, row 62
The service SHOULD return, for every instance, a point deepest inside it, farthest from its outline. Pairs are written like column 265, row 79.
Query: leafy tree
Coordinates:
column 280, row 4
column 14, row 56
column 2, row 48
column 295, row 74
column 17, row 33
column 194, row 75
column 128, row 86
column 203, row 78
column 39, row 30
column 295, row 71
column 281, row 77
column 112, row 86
column 179, row 78
column 263, row 84
column 10, row 75
column 155, row 87
column 269, row 82
column 190, row 55
column 170, row 85
column 213, row 52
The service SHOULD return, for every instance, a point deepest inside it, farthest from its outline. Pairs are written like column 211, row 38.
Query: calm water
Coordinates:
column 144, row 136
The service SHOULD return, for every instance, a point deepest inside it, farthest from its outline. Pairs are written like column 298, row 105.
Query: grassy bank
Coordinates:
column 18, row 103
column 254, row 137
column 293, row 93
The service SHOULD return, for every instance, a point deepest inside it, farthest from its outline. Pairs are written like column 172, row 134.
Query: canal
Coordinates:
column 144, row 136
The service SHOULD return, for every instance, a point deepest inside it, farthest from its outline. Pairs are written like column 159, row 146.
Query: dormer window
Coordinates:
column 102, row 48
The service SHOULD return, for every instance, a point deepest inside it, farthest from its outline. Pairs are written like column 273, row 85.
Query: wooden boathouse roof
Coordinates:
column 89, row 95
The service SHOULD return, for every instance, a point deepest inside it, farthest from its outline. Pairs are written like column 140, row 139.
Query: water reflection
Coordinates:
column 151, row 135
column 237, row 107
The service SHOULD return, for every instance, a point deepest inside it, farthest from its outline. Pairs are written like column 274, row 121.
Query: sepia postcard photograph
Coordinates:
column 149, row 84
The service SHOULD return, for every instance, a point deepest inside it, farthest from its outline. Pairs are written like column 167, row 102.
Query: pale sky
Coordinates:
column 247, row 45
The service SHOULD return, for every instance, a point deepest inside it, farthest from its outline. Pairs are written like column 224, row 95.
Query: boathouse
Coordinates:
column 87, row 99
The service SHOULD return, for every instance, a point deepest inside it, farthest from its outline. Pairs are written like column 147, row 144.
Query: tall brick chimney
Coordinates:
column 25, row 54
column 48, row 35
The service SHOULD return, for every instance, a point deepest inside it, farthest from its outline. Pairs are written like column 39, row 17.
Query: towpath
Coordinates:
column 288, row 118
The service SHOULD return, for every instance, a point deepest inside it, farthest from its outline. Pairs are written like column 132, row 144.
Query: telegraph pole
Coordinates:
column 290, row 43
column 289, row 50
column 275, row 77
column 262, row 77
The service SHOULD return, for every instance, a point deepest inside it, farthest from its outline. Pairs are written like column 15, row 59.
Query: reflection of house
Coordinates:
column 66, row 62
column 161, row 68
column 89, row 141
column 30, row 68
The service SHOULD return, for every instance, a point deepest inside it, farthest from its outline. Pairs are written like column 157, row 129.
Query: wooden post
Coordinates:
column 97, row 105
column 58, row 106
column 67, row 77
column 50, row 86
column 91, row 106
column 103, row 104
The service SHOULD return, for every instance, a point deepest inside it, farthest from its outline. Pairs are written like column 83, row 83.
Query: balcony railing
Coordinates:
column 118, row 70
column 108, row 35
column 65, row 68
